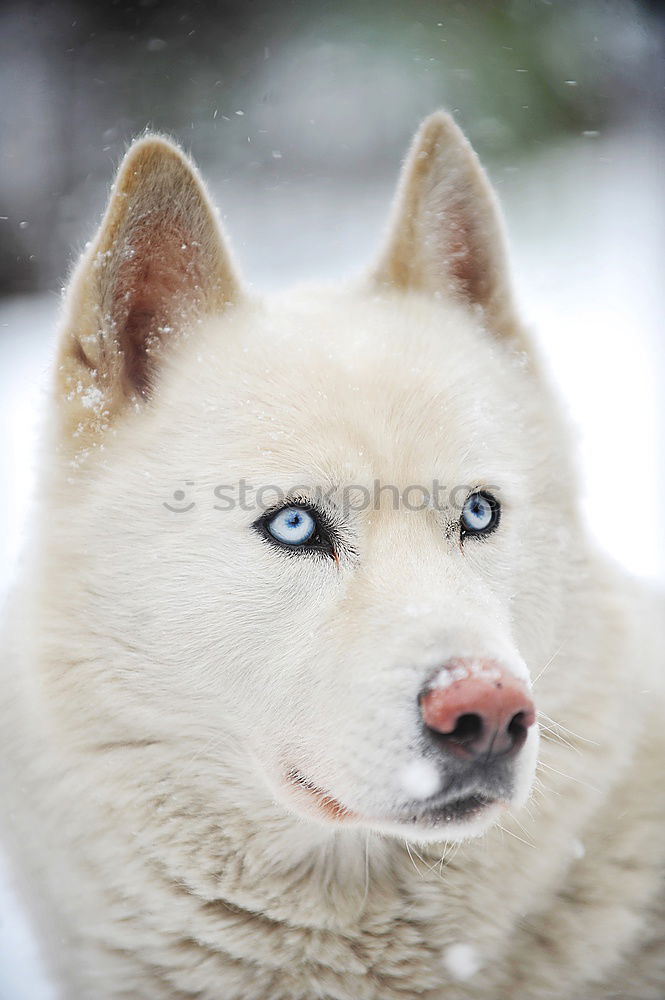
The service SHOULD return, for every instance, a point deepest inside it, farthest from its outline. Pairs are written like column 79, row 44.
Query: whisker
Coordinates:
column 521, row 826
column 408, row 848
column 570, row 732
column 553, row 737
column 543, row 790
column 551, row 660
column 571, row 777
column 366, row 893
column 511, row 834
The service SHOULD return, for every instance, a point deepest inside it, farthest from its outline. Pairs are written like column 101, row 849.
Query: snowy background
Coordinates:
column 298, row 114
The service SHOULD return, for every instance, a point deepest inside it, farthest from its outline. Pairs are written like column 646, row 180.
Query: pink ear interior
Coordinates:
column 446, row 235
column 156, row 286
column 466, row 263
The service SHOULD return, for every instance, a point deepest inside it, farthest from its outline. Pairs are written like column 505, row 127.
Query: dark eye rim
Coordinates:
column 320, row 543
column 495, row 506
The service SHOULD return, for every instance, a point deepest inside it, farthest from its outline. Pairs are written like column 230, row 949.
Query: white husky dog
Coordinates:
column 308, row 582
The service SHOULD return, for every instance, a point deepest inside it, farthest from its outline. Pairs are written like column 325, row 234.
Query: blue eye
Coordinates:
column 292, row 526
column 480, row 514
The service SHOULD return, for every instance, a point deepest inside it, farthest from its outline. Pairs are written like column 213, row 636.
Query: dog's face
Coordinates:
column 322, row 534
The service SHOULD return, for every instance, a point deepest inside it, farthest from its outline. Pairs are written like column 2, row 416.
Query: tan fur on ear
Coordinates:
column 157, row 263
column 446, row 235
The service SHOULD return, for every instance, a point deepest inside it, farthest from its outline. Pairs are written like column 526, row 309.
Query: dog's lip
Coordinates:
column 325, row 803
column 441, row 811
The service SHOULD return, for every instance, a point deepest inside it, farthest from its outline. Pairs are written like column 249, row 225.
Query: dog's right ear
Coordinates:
column 156, row 267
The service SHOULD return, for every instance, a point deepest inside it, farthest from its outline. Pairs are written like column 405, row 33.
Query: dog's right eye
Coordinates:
column 296, row 528
column 292, row 526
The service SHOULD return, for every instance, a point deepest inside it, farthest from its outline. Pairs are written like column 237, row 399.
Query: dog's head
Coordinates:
column 320, row 534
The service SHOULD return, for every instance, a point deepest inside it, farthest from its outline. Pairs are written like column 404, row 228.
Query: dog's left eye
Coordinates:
column 480, row 514
column 292, row 526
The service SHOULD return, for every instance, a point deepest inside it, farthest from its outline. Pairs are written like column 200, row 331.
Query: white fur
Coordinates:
column 168, row 671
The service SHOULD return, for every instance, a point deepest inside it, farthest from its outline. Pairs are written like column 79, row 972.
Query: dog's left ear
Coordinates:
column 157, row 266
column 446, row 236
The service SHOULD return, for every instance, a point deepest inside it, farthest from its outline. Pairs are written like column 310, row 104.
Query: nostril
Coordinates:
column 517, row 730
column 468, row 730
column 466, row 733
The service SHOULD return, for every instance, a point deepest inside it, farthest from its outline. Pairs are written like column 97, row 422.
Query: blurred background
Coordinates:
column 298, row 113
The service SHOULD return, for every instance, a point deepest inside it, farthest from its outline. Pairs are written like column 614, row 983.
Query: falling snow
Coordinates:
column 461, row 961
column 578, row 849
column 420, row 779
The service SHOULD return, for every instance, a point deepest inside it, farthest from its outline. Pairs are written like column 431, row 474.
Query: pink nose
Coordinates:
column 476, row 707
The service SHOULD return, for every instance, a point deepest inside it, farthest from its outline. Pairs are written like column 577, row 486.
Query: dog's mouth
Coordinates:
column 439, row 812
